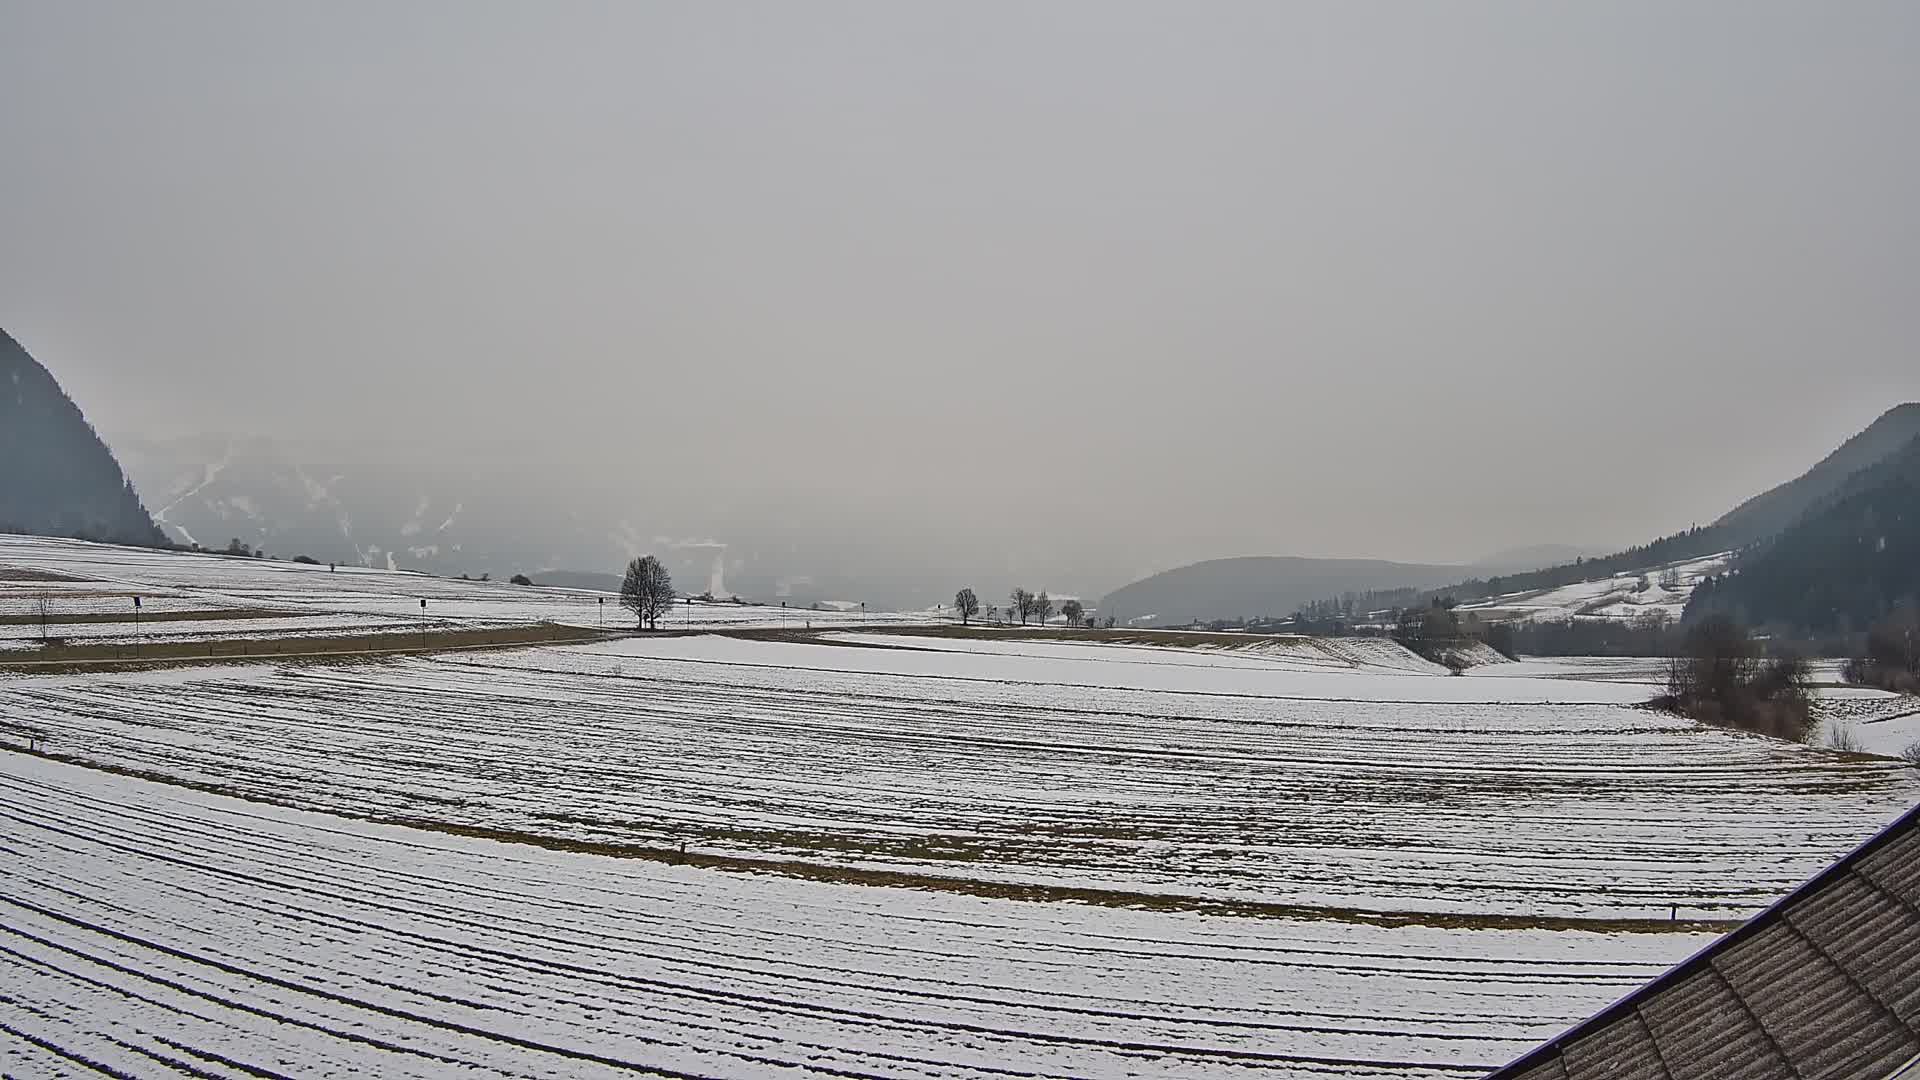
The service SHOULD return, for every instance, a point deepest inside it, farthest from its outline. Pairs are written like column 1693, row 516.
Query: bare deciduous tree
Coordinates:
column 647, row 590
column 967, row 604
column 1020, row 603
column 1842, row 737
column 1043, row 607
column 1074, row 610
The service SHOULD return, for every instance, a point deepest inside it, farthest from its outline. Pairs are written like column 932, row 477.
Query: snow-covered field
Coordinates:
column 1878, row 721
column 906, row 853
column 146, row 928
column 109, row 576
column 65, row 599
column 28, row 635
column 1174, row 648
column 1617, row 597
column 1185, row 774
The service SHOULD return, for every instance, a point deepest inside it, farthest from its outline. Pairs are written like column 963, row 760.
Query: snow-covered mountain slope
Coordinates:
column 1661, row 592
column 336, row 505
column 443, row 520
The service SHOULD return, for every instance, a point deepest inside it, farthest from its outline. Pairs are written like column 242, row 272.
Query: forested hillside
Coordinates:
column 1693, row 543
column 1260, row 586
column 1846, row 562
column 1768, row 513
column 1757, row 519
column 56, row 477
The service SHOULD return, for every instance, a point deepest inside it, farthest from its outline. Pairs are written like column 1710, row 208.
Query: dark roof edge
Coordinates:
column 1546, row 1050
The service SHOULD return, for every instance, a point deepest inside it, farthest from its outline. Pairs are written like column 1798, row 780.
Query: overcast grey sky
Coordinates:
column 1163, row 281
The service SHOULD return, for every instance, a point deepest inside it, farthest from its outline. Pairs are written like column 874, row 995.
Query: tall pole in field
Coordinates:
column 603, row 613
column 423, row 622
column 136, row 624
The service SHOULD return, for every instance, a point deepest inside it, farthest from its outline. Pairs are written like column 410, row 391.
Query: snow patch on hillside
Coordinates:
column 1621, row 597
column 211, row 474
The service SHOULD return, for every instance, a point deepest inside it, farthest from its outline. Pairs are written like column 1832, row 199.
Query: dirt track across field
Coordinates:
column 120, row 656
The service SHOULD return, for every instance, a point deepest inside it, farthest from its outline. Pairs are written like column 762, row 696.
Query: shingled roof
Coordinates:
column 1824, row 984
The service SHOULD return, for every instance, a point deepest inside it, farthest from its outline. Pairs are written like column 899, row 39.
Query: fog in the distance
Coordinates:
column 1077, row 290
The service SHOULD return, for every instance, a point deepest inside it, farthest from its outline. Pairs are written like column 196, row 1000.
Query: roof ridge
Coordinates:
column 1703, row 959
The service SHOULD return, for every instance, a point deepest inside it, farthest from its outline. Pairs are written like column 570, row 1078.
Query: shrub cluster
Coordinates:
column 1721, row 678
column 1892, row 660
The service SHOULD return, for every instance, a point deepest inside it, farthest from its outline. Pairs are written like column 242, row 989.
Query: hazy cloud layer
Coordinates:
column 1121, row 285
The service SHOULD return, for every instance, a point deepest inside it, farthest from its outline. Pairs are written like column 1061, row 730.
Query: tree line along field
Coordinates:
column 853, row 853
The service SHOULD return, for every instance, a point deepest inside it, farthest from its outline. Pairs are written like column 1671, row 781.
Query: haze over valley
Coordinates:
column 840, row 540
column 1063, row 296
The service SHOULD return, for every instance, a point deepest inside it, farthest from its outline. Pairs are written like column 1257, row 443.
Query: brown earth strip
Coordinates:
column 1115, row 636
column 901, row 879
column 24, row 573
column 55, row 617
column 72, row 659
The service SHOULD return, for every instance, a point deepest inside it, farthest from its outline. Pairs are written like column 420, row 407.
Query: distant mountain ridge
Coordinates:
column 1532, row 556
column 1851, row 557
column 1261, row 586
column 341, row 504
column 449, row 520
column 57, row 478
column 1752, row 521
column 1773, row 510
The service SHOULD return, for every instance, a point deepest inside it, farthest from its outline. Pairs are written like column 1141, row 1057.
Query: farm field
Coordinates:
column 1369, row 791
column 22, row 636
column 79, row 578
column 1879, row 721
column 861, row 851
column 147, row 925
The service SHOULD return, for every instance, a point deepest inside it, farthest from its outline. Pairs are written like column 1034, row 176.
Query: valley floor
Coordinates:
column 856, row 853
column 148, row 928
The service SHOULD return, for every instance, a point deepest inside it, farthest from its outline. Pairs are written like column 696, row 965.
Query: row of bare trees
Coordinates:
column 1026, row 605
column 1021, row 605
